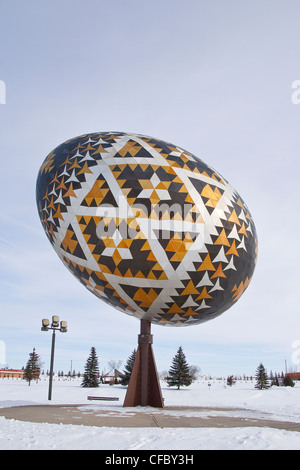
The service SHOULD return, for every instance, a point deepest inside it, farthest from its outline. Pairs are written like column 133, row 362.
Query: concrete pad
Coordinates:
column 168, row 417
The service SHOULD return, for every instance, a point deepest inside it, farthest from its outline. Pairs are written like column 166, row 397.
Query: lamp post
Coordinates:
column 55, row 326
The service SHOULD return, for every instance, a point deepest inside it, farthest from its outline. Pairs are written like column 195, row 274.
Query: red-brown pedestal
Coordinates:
column 144, row 387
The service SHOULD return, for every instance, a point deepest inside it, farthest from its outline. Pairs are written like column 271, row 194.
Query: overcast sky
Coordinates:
column 213, row 77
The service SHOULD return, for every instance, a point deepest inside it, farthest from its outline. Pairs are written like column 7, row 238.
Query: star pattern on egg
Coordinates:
column 147, row 227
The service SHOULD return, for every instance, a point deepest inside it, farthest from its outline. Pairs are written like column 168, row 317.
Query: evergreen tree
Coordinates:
column 91, row 371
column 275, row 380
column 288, row 381
column 32, row 369
column 179, row 373
column 128, row 369
column 271, row 376
column 261, row 376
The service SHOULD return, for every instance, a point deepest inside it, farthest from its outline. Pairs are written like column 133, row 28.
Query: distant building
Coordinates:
column 11, row 373
column 293, row 375
column 112, row 377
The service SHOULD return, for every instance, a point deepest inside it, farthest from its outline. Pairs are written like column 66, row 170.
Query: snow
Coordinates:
column 242, row 400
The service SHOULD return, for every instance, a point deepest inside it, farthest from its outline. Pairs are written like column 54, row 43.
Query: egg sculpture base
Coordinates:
column 144, row 387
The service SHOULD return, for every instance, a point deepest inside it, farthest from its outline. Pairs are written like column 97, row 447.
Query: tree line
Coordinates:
column 180, row 372
column 265, row 380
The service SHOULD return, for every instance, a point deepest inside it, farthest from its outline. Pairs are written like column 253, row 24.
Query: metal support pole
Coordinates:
column 145, row 340
column 144, row 387
column 51, row 365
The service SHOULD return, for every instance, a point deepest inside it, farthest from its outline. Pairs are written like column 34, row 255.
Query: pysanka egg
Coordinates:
column 147, row 227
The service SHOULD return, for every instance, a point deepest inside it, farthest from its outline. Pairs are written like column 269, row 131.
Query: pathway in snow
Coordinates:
column 168, row 417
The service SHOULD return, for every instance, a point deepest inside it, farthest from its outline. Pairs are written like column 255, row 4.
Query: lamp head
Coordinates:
column 55, row 321
column 45, row 324
column 63, row 326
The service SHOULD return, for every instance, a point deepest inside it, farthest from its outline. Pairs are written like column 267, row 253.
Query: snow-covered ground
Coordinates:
column 281, row 403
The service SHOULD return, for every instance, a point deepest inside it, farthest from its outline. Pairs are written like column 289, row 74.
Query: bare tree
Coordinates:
column 195, row 371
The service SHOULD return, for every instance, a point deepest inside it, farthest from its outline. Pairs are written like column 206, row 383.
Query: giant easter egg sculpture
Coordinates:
column 147, row 227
